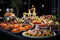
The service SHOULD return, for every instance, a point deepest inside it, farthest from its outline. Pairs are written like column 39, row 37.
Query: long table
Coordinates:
column 18, row 36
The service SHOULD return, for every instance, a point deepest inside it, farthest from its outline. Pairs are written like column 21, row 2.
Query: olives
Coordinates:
column 30, row 34
column 27, row 33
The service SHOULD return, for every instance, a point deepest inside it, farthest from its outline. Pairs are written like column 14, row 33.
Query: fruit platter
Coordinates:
column 31, row 25
column 38, row 33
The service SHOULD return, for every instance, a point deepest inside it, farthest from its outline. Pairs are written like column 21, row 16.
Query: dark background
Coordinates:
column 24, row 7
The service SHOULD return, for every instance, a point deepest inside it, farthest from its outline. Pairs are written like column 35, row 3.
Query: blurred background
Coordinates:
column 20, row 6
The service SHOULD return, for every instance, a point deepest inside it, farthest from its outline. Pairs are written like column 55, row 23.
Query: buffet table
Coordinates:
column 18, row 36
column 15, row 29
column 31, row 26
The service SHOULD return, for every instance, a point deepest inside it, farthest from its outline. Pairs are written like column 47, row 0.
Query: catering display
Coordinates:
column 38, row 33
column 31, row 25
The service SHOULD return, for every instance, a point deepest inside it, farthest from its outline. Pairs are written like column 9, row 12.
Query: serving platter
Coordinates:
column 38, row 37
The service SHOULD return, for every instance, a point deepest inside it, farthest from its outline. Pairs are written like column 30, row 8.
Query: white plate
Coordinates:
column 37, row 37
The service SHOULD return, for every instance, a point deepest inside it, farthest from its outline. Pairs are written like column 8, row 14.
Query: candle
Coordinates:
column 34, row 10
column 29, row 14
column 24, row 14
column 29, row 11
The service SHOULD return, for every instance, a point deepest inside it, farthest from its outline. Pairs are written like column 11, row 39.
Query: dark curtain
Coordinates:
column 46, row 10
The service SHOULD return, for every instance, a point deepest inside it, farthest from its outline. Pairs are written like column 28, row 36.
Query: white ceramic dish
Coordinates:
column 37, row 37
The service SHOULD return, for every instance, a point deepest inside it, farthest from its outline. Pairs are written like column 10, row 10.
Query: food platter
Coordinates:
column 38, row 37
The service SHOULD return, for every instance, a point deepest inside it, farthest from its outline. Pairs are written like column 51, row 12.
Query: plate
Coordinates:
column 38, row 37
